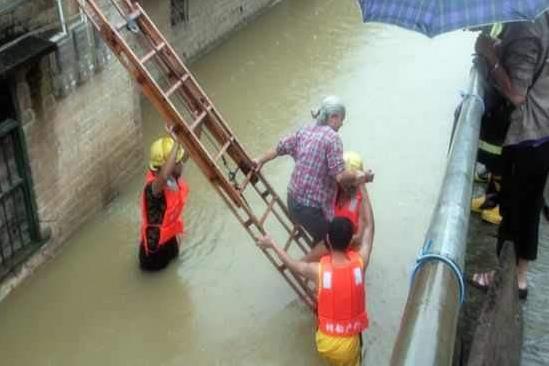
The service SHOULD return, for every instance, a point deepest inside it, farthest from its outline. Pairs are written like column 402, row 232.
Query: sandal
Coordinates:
column 482, row 280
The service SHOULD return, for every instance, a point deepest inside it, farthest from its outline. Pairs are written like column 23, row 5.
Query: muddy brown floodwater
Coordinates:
column 221, row 302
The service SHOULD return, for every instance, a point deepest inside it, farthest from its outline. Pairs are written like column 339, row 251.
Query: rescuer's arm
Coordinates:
column 165, row 172
column 367, row 241
column 354, row 178
column 336, row 166
column 314, row 255
column 307, row 270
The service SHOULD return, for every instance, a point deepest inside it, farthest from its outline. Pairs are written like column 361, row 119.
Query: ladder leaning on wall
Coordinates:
column 198, row 126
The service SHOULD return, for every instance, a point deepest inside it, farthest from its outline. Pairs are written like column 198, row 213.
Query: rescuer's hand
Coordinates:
column 485, row 46
column 367, row 176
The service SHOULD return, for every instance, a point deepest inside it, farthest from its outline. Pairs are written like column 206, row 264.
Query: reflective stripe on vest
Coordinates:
column 341, row 297
column 489, row 148
column 172, row 224
column 351, row 210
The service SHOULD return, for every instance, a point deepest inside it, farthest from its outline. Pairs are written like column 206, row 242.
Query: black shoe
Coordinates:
column 523, row 293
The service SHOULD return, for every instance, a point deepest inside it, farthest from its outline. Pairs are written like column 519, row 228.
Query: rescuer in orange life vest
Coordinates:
column 341, row 298
column 353, row 203
column 162, row 203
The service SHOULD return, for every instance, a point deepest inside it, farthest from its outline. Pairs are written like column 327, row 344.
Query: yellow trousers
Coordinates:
column 339, row 351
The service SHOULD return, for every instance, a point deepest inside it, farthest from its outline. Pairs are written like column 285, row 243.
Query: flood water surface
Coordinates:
column 221, row 302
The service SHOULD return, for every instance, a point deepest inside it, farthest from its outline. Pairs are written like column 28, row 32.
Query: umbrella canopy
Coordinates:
column 433, row 17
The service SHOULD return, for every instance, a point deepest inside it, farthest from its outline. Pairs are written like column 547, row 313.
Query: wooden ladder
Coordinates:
column 198, row 126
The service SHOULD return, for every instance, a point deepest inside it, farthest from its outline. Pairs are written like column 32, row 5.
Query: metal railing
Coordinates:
column 429, row 323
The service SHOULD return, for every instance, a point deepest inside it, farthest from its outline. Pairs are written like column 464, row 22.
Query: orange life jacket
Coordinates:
column 172, row 224
column 341, row 297
column 350, row 209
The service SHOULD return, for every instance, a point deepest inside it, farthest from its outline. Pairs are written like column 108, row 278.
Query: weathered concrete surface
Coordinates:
column 533, row 347
column 497, row 338
column 535, row 350
column 83, row 146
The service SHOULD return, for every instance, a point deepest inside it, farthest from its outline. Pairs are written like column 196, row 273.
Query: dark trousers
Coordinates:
column 160, row 258
column 523, row 181
column 311, row 218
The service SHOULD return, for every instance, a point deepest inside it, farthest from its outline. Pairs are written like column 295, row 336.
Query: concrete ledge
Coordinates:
column 490, row 323
column 498, row 335
column 47, row 252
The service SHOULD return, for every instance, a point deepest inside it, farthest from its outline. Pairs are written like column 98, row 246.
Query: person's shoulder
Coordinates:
column 310, row 126
column 322, row 129
column 327, row 258
column 330, row 136
column 523, row 31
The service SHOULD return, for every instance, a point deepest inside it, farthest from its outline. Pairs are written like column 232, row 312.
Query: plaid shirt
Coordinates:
column 318, row 155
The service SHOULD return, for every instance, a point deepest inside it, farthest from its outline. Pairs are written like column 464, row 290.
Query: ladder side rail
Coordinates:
column 168, row 55
column 174, row 76
column 154, row 39
column 302, row 292
column 151, row 26
column 294, row 238
column 236, row 151
column 301, row 233
column 119, row 9
column 191, row 141
column 276, row 214
column 182, row 89
column 282, row 205
column 90, row 16
column 185, row 135
column 173, row 59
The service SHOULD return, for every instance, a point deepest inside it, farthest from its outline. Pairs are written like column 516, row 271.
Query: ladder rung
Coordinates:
column 131, row 17
column 199, row 120
column 291, row 238
column 152, row 52
column 269, row 209
column 193, row 100
column 177, row 85
column 224, row 148
column 246, row 180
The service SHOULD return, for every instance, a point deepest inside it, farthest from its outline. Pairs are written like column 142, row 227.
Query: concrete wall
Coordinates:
column 83, row 141
column 83, row 147
column 15, row 20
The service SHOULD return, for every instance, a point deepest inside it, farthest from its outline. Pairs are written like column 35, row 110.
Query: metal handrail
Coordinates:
column 429, row 323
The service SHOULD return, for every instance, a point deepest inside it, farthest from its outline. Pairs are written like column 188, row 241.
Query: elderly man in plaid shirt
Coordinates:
column 318, row 154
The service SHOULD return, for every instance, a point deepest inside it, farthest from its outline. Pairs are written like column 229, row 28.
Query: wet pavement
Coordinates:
column 535, row 348
column 481, row 256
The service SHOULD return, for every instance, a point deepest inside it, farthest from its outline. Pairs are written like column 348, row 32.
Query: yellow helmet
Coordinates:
column 353, row 161
column 160, row 151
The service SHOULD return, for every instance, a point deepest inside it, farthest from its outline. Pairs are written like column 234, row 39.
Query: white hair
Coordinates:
column 330, row 106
